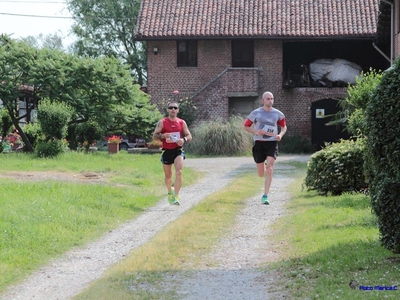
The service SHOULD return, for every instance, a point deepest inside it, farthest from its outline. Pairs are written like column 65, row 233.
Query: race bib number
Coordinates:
column 270, row 129
column 175, row 136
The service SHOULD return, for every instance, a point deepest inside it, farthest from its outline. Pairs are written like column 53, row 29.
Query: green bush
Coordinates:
column 34, row 133
column 84, row 134
column 5, row 122
column 356, row 123
column 337, row 168
column 220, row 138
column 354, row 104
column 295, row 144
column 50, row 148
column 382, row 166
column 54, row 117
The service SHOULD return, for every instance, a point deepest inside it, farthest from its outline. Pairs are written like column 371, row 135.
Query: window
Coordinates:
column 242, row 53
column 187, row 53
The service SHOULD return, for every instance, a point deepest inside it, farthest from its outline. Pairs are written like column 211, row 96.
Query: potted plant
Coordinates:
column 154, row 144
column 113, row 143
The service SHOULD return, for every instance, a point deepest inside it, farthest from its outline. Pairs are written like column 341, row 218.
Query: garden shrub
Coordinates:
column 337, row 168
column 382, row 166
column 356, row 123
column 50, row 148
column 220, row 138
column 295, row 144
column 34, row 133
column 84, row 134
column 5, row 125
column 54, row 118
column 353, row 105
column 5, row 122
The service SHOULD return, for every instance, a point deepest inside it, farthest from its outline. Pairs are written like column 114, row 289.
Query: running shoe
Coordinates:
column 175, row 200
column 264, row 199
column 171, row 196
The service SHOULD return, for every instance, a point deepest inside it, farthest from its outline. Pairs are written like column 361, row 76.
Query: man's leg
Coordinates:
column 269, row 168
column 178, row 162
column 168, row 176
column 261, row 169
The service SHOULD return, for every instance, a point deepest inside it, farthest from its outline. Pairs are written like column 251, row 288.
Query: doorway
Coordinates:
column 321, row 133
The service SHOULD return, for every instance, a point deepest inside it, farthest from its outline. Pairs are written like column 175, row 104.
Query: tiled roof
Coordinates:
column 170, row 19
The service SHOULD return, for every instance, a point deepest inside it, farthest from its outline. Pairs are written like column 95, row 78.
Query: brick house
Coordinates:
column 226, row 53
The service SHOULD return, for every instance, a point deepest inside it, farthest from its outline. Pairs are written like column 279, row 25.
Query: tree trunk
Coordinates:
column 28, row 146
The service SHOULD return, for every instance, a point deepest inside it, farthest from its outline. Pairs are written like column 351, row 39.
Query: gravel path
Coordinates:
column 230, row 272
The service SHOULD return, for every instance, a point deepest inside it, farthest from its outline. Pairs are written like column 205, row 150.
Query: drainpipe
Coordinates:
column 391, row 32
column 381, row 52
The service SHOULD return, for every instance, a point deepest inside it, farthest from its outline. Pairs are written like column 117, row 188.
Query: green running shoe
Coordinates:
column 171, row 195
column 175, row 200
column 264, row 199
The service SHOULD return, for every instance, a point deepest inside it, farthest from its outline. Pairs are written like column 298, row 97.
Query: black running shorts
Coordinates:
column 168, row 156
column 263, row 149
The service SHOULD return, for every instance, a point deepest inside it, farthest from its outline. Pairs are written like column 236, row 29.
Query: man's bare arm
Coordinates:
column 187, row 135
column 157, row 132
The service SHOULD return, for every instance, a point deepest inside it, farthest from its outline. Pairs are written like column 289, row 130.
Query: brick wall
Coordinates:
column 213, row 78
column 164, row 76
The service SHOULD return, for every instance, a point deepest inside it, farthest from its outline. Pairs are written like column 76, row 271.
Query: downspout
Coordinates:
column 391, row 33
column 381, row 52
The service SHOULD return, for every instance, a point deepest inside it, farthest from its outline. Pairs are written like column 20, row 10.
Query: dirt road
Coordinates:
column 231, row 271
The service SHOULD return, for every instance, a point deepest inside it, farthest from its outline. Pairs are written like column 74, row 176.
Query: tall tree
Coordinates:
column 97, row 90
column 16, row 60
column 107, row 27
column 52, row 41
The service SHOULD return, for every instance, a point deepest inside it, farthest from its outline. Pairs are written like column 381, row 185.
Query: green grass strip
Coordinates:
column 183, row 241
column 328, row 242
column 41, row 219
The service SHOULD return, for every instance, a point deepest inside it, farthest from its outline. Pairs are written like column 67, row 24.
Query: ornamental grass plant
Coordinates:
column 220, row 138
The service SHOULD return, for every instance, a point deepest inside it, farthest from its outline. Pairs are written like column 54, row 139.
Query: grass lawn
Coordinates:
column 330, row 242
column 41, row 219
column 326, row 242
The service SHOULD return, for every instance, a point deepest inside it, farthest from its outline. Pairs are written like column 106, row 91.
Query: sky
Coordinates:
column 23, row 18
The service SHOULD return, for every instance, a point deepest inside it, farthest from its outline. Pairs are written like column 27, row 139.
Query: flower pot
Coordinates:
column 113, row 148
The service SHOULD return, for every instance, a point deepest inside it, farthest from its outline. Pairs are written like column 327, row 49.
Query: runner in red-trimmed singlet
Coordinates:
column 263, row 122
column 173, row 132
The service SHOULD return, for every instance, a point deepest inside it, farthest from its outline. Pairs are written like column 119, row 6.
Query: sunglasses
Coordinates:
column 172, row 107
